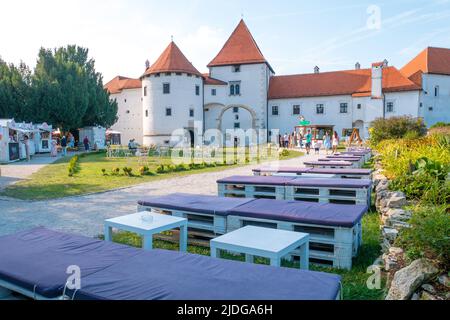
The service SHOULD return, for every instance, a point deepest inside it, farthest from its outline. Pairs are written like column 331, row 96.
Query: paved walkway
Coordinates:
column 85, row 214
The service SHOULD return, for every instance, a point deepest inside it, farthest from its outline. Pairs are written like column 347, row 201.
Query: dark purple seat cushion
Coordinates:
column 257, row 180
column 329, row 163
column 283, row 170
column 37, row 260
column 169, row 275
column 193, row 203
column 361, row 172
column 327, row 214
column 341, row 183
column 348, row 159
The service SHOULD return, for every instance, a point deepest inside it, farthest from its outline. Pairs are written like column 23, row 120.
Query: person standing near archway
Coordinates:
column 335, row 142
column 308, row 142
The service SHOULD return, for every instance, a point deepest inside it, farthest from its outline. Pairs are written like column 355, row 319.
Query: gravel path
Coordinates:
column 85, row 214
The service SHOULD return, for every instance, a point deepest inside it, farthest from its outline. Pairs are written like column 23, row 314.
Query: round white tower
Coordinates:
column 172, row 98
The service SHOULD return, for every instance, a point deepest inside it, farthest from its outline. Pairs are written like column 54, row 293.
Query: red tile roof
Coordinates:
column 349, row 82
column 240, row 48
column 172, row 60
column 120, row 83
column 212, row 81
column 431, row 60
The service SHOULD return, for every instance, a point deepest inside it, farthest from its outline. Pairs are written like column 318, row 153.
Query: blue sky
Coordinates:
column 294, row 36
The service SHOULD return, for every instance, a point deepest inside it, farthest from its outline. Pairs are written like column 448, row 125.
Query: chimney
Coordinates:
column 357, row 66
column 385, row 63
column 147, row 64
column 316, row 69
column 377, row 79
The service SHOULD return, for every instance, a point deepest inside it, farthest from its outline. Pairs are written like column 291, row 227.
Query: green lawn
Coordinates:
column 53, row 181
column 354, row 281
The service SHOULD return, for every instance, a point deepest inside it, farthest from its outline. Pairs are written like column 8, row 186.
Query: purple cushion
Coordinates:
column 329, row 163
column 257, row 180
column 342, row 183
column 327, row 214
column 193, row 203
column 348, row 159
column 362, row 172
column 283, row 170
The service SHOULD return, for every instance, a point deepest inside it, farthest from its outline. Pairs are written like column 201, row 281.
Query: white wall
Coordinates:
column 129, row 122
column 254, row 84
column 405, row 103
column 441, row 104
column 158, row 127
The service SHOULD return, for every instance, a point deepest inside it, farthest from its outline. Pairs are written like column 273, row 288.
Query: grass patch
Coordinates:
column 95, row 173
column 354, row 281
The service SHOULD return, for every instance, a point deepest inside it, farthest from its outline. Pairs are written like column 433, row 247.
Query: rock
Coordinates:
column 385, row 245
column 415, row 296
column 427, row 296
column 398, row 225
column 399, row 215
column 379, row 261
column 407, row 280
column 396, row 202
column 444, row 280
column 390, row 234
column 383, row 185
column 396, row 251
column 390, row 263
column 429, row 288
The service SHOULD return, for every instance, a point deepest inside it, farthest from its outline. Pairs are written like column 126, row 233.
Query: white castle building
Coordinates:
column 242, row 91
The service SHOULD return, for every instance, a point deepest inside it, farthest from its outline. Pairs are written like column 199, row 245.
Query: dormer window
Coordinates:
column 237, row 68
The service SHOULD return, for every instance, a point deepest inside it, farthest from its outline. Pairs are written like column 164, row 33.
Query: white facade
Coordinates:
column 435, row 98
column 179, row 108
column 129, row 114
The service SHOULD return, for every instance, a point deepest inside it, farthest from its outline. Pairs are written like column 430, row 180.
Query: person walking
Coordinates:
column 71, row 141
column 308, row 142
column 327, row 142
column 335, row 142
column 86, row 143
column 64, row 145
column 286, row 140
column 54, row 150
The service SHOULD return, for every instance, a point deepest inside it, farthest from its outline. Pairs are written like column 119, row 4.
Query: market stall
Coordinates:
column 43, row 138
column 16, row 140
column 96, row 137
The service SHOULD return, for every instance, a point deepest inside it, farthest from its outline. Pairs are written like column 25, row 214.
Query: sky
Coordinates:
column 294, row 35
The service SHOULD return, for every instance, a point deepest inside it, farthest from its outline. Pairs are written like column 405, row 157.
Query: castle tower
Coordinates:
column 172, row 97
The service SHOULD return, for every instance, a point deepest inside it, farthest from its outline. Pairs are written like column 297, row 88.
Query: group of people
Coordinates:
column 330, row 143
column 67, row 141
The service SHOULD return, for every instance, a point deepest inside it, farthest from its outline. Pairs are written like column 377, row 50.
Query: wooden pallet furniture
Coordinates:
column 335, row 230
column 270, row 187
column 331, row 164
column 317, row 172
column 339, row 191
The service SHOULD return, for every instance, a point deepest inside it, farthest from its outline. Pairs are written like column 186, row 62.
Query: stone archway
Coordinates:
column 225, row 109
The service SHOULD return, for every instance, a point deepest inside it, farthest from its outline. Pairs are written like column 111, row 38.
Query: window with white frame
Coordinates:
column 235, row 88
column 389, row 107
column 436, row 91
column 197, row 90
column 320, row 108
column 168, row 112
column 145, row 91
column 275, row 111
column 296, row 110
column 191, row 113
column 213, row 92
column 343, row 107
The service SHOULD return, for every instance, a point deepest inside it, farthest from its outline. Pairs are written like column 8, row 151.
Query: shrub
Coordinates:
column 440, row 125
column 128, row 171
column 181, row 167
column 73, row 165
column 115, row 171
column 143, row 170
column 284, row 153
column 161, row 169
column 396, row 128
column 428, row 235
column 104, row 171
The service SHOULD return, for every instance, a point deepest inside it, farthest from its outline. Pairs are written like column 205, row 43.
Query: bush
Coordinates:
column 161, row 169
column 284, row 153
column 396, row 128
column 440, row 125
column 104, row 171
column 115, row 171
column 428, row 235
column 143, row 170
column 73, row 165
column 128, row 171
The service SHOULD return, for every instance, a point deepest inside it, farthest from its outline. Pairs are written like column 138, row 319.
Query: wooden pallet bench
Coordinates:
column 350, row 158
column 334, row 241
column 259, row 187
column 339, row 191
column 331, row 164
column 315, row 172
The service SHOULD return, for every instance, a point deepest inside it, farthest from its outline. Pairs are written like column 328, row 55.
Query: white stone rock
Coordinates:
column 415, row 296
column 444, row 280
column 395, row 251
column 396, row 202
column 429, row 288
column 407, row 280
column 390, row 234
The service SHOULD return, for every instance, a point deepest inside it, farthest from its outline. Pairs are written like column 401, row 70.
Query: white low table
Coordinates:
column 147, row 228
column 263, row 242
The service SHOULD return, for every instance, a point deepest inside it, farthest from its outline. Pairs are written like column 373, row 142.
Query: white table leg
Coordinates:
column 249, row 258
column 275, row 262
column 108, row 233
column 304, row 256
column 148, row 242
column 183, row 238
